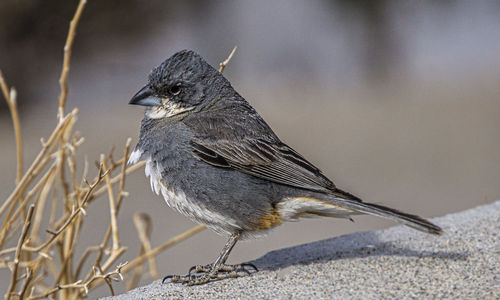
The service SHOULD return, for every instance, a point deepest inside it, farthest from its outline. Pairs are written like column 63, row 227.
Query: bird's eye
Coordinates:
column 175, row 90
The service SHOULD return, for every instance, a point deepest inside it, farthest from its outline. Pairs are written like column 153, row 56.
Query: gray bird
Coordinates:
column 215, row 160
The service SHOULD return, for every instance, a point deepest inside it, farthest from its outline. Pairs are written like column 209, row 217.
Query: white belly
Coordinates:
column 186, row 206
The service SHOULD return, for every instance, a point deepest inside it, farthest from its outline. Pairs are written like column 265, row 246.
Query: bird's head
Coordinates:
column 183, row 83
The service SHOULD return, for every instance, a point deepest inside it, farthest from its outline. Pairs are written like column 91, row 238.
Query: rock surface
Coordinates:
column 463, row 263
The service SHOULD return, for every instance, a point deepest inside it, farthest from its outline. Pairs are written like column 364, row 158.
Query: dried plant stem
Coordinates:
column 12, row 218
column 121, row 186
column 30, row 173
column 85, row 255
column 143, row 225
column 29, row 277
column 63, row 81
column 85, row 285
column 113, row 257
column 116, row 250
column 42, row 264
column 75, row 212
column 223, row 64
column 121, row 194
column 40, row 201
column 11, row 99
column 112, row 208
column 22, row 238
column 116, row 179
column 171, row 242
column 72, row 168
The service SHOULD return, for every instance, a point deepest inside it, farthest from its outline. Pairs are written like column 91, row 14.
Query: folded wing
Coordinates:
column 269, row 160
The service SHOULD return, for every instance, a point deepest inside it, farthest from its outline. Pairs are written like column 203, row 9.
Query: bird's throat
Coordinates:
column 167, row 110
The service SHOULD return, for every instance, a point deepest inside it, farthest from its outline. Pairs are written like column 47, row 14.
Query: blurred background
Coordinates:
column 397, row 102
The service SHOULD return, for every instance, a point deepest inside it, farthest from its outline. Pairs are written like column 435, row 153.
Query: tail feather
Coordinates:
column 409, row 220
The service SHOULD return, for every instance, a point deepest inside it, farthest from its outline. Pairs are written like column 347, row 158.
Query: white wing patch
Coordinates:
column 154, row 175
column 135, row 156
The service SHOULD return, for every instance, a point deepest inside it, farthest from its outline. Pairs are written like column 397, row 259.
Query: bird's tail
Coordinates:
column 344, row 199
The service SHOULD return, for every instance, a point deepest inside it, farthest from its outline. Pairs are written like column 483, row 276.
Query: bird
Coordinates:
column 214, row 159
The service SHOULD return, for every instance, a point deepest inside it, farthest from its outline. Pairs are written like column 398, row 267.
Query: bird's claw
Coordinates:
column 201, row 274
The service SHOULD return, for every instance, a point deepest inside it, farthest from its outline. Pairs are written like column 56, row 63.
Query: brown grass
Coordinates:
column 50, row 194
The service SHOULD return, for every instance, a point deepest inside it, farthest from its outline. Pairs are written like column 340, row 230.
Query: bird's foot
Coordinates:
column 202, row 274
column 246, row 268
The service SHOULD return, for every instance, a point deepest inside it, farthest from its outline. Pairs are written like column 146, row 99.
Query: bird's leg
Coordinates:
column 220, row 262
column 218, row 270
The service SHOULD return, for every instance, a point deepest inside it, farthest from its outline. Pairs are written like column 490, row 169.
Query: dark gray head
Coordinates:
column 182, row 83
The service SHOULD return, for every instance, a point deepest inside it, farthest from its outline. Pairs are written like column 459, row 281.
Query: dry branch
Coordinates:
column 43, row 263
column 74, row 213
column 223, row 64
column 143, row 224
column 171, row 242
column 26, row 228
column 63, row 81
column 11, row 99
column 112, row 208
column 39, row 161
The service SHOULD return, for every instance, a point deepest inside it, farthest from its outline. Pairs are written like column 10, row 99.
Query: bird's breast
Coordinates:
column 186, row 205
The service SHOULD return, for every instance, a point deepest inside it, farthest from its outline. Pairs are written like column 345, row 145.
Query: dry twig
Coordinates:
column 74, row 213
column 11, row 99
column 143, row 225
column 26, row 228
column 49, row 259
column 63, row 81
column 39, row 161
column 223, row 64
column 171, row 242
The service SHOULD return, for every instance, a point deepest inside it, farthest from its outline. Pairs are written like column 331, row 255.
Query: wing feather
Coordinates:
column 233, row 135
column 272, row 161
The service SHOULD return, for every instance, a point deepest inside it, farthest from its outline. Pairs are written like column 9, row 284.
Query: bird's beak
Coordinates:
column 145, row 97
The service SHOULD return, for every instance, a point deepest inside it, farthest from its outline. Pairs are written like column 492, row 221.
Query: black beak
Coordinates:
column 145, row 97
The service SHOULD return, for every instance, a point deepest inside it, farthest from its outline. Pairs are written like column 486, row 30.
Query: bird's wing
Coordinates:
column 237, row 137
column 266, row 159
